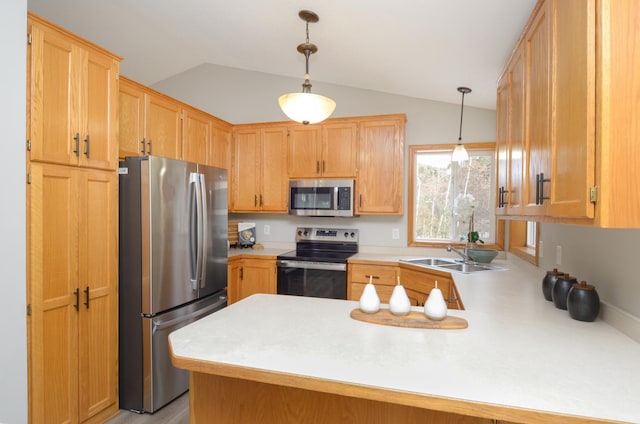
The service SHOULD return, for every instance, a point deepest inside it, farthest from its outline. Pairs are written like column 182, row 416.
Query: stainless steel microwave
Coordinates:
column 321, row 197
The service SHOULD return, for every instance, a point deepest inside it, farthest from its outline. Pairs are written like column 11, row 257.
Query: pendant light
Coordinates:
column 305, row 107
column 460, row 153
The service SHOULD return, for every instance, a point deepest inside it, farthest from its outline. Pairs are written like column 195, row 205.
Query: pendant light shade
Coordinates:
column 305, row 107
column 460, row 153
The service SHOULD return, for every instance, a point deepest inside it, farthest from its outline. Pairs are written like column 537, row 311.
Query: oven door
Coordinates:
column 312, row 279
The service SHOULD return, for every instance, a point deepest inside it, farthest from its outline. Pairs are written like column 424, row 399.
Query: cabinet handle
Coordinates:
column 86, row 296
column 373, row 276
column 360, row 200
column 540, row 180
column 317, row 167
column 150, row 143
column 241, row 273
column 261, row 200
column 255, row 200
column 76, row 139
column 77, row 294
column 323, row 167
column 144, row 147
column 87, row 145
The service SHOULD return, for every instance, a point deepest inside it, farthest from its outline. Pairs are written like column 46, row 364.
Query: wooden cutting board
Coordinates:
column 412, row 320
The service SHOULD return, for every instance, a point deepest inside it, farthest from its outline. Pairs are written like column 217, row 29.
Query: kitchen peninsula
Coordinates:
column 285, row 359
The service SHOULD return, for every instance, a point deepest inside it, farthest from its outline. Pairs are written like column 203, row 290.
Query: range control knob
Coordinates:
column 299, row 232
column 346, row 234
column 353, row 234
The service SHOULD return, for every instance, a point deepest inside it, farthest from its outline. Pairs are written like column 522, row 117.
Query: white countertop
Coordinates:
column 518, row 351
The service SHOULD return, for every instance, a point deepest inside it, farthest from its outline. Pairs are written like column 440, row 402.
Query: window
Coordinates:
column 532, row 233
column 436, row 181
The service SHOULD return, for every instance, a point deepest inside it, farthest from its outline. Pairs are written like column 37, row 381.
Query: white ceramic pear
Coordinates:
column 435, row 308
column 399, row 304
column 369, row 301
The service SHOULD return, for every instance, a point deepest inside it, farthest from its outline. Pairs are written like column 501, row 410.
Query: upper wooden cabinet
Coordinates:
column 259, row 180
column 72, row 88
column 510, row 140
column 150, row 123
column 323, row 150
column 219, row 150
column 379, row 184
column 581, row 145
column 197, row 135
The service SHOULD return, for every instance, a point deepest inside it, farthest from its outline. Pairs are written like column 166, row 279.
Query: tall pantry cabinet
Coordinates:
column 72, row 220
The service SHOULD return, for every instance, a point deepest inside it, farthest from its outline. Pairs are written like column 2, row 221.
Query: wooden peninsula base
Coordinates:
column 218, row 399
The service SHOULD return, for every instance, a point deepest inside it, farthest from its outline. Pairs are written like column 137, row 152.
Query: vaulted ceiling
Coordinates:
column 418, row 48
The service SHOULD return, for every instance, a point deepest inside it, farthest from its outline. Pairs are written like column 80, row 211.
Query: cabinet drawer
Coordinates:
column 385, row 275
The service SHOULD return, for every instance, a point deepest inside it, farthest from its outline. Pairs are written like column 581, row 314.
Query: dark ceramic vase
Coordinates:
column 561, row 289
column 549, row 281
column 583, row 302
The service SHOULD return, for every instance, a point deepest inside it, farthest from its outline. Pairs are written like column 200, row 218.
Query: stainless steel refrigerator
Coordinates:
column 172, row 270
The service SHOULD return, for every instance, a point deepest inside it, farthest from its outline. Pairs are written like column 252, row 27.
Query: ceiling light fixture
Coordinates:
column 460, row 153
column 305, row 107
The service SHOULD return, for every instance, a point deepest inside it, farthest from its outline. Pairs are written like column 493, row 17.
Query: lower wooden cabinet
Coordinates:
column 249, row 276
column 72, row 278
column 417, row 282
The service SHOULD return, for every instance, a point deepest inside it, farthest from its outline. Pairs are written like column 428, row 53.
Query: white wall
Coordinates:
column 605, row 258
column 13, row 354
column 243, row 96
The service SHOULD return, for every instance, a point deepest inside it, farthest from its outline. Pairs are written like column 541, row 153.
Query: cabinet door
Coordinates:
column 339, row 150
column 54, row 100
column 131, row 102
column 257, row 276
column 97, row 253
column 502, row 142
column 304, row 151
column 246, row 170
column 219, row 151
column 99, row 111
column 516, row 133
column 538, row 146
column 196, row 136
column 380, row 163
column 573, row 96
column 163, row 127
column 233, row 279
column 274, row 187
column 53, row 280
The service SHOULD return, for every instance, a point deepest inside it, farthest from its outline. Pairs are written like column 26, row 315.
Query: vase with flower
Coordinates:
column 463, row 207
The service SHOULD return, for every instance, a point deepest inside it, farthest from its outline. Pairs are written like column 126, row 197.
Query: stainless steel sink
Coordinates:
column 467, row 268
column 451, row 265
column 429, row 261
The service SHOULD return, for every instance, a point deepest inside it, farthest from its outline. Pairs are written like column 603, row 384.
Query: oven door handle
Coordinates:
column 312, row 265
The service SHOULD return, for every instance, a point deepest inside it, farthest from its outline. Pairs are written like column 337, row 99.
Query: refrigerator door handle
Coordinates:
column 203, row 231
column 161, row 325
column 194, row 228
column 199, row 232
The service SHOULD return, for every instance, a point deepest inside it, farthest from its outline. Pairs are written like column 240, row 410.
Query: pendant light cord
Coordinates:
column 461, row 112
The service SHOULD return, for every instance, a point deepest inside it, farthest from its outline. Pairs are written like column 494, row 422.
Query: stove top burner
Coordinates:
column 323, row 245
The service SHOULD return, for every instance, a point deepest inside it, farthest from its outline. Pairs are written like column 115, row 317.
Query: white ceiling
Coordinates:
column 418, row 48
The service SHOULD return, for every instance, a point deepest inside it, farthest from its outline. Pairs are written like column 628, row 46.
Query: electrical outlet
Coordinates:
column 395, row 234
column 540, row 249
column 558, row 255
column 267, row 229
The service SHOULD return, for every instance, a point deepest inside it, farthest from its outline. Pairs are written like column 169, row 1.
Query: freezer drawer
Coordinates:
column 158, row 382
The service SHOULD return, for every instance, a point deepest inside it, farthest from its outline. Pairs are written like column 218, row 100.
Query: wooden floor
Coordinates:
column 177, row 412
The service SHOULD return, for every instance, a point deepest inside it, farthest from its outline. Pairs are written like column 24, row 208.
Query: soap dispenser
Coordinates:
column 399, row 304
column 435, row 308
column 369, row 301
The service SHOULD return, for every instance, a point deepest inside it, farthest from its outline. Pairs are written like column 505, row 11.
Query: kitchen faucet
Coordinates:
column 463, row 254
